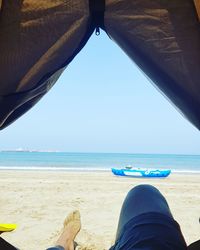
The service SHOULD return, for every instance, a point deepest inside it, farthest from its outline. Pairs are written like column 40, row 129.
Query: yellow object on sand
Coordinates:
column 7, row 227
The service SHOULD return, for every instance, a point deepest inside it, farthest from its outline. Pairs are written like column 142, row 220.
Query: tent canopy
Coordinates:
column 39, row 38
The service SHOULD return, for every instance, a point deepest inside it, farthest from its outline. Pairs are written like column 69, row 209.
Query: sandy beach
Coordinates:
column 39, row 201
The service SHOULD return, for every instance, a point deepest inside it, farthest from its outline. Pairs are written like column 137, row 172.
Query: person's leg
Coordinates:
column 72, row 226
column 140, row 200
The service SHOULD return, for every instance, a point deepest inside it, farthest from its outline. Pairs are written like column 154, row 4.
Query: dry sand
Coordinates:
column 39, row 202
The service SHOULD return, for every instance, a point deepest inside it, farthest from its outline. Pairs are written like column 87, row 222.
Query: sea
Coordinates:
column 66, row 161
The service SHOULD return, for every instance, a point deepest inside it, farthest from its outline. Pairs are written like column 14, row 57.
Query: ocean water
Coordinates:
column 56, row 161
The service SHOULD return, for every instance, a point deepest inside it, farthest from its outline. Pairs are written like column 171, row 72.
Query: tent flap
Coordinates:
column 163, row 39
column 37, row 40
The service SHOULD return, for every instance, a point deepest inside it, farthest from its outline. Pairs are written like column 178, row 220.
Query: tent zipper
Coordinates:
column 97, row 9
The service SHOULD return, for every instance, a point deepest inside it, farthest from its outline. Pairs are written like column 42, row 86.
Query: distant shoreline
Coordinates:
column 104, row 153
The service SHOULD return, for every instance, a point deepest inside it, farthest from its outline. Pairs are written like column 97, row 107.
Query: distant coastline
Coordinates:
column 74, row 152
column 29, row 151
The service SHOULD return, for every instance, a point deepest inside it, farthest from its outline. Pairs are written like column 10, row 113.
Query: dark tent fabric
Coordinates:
column 39, row 38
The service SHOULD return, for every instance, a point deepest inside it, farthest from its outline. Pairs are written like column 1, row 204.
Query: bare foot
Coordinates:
column 72, row 226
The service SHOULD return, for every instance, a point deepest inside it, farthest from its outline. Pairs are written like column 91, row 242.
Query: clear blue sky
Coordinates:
column 103, row 103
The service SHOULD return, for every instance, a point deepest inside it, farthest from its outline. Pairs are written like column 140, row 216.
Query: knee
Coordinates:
column 143, row 188
column 146, row 191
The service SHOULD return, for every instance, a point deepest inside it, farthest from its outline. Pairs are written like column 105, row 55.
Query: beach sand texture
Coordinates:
column 39, row 202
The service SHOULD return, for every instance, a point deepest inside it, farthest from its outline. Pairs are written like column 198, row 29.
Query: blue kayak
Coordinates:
column 141, row 172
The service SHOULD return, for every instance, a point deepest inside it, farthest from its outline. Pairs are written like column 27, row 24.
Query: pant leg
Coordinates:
column 139, row 200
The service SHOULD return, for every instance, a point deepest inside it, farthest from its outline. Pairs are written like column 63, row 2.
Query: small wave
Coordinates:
column 81, row 169
column 185, row 171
